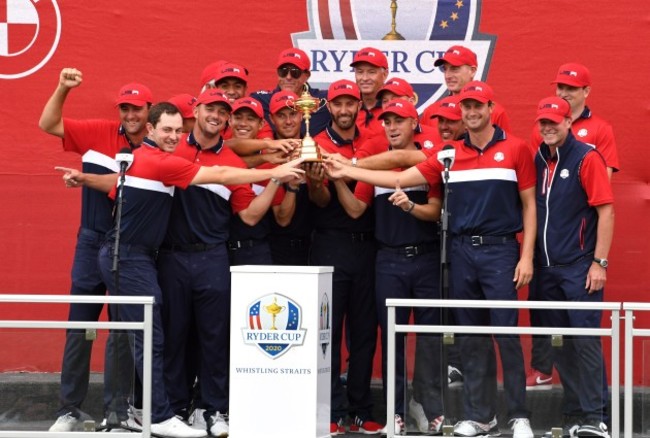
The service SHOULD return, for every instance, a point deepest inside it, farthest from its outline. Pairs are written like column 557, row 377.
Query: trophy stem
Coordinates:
column 393, row 35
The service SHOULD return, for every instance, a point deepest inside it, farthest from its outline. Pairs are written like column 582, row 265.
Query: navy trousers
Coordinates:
column 399, row 276
column 580, row 360
column 485, row 272
column 138, row 277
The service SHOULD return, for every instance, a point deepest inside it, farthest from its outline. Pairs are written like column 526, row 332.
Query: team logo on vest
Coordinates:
column 324, row 322
column 339, row 28
column 274, row 325
column 582, row 132
column 564, row 173
column 29, row 36
column 499, row 157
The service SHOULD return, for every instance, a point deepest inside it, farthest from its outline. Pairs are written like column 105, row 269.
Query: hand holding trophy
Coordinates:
column 308, row 104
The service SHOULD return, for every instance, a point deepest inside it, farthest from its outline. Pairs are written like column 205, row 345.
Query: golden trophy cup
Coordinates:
column 393, row 35
column 308, row 104
column 274, row 309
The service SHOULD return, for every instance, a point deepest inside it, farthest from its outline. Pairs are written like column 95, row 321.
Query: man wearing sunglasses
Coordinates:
column 293, row 69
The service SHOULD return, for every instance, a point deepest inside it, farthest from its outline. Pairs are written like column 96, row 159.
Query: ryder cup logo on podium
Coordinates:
column 274, row 325
column 412, row 37
column 29, row 35
column 324, row 323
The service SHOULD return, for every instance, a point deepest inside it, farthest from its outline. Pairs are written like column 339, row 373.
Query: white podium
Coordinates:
column 280, row 351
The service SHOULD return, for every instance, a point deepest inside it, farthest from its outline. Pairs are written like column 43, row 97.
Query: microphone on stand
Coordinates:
column 447, row 156
column 124, row 159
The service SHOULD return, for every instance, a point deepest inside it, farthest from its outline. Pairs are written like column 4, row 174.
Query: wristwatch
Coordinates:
column 602, row 262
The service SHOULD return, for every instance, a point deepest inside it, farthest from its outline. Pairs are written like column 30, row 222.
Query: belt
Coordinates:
column 189, row 247
column 487, row 240
column 410, row 250
column 344, row 235
column 234, row 245
column 126, row 248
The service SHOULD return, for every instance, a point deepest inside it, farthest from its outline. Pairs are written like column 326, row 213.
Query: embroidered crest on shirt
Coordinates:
column 428, row 144
column 564, row 173
column 582, row 132
column 499, row 157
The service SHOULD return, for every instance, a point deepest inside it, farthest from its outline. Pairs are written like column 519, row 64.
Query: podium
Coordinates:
column 280, row 351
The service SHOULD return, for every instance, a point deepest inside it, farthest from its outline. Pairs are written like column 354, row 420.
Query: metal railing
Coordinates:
column 613, row 331
column 630, row 333
column 145, row 326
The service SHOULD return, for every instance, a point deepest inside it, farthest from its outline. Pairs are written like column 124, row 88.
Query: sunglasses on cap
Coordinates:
column 293, row 71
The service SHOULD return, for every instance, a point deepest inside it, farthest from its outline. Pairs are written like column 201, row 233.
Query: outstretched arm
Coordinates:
column 392, row 159
column 227, row 175
column 51, row 120
column 382, row 178
column 75, row 178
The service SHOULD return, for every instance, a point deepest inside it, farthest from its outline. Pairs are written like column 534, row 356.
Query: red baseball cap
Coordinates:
column 211, row 71
column 295, row 57
column 282, row 99
column 477, row 90
column 574, row 75
column 185, row 104
column 250, row 103
column 343, row 87
column 134, row 94
column 449, row 108
column 397, row 86
column 231, row 70
column 402, row 108
column 212, row 95
column 371, row 56
column 554, row 109
column 457, row 56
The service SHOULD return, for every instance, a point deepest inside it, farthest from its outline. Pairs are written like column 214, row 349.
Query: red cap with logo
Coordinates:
column 554, row 109
column 371, row 56
column 449, row 108
column 231, row 70
column 212, row 95
column 574, row 75
column 457, row 56
column 134, row 94
column 185, row 104
column 295, row 57
column 211, row 71
column 398, row 87
column 250, row 103
column 400, row 107
column 477, row 90
column 343, row 87
column 282, row 99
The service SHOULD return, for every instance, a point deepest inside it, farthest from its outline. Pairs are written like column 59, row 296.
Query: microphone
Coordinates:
column 446, row 156
column 124, row 159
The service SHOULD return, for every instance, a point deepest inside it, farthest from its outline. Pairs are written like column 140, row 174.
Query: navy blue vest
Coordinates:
column 566, row 224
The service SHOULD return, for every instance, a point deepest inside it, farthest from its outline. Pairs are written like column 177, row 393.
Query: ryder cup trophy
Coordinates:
column 308, row 104
column 393, row 35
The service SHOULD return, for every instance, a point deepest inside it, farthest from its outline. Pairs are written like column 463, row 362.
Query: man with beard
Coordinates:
column 97, row 141
column 293, row 70
column 347, row 244
column 492, row 198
